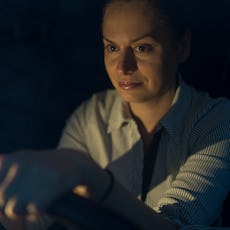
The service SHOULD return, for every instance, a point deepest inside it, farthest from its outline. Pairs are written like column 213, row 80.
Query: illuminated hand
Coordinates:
column 31, row 180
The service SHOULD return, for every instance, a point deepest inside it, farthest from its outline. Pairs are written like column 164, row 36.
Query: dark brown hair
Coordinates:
column 172, row 10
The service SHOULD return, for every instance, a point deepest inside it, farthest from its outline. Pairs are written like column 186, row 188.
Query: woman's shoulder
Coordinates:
column 201, row 105
column 199, row 115
column 100, row 104
column 102, row 100
column 105, row 98
column 216, row 109
column 210, row 120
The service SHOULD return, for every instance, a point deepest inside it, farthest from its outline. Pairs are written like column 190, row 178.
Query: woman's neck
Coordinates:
column 147, row 115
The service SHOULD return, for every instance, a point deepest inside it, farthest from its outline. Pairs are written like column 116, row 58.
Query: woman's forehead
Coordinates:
column 132, row 12
column 134, row 18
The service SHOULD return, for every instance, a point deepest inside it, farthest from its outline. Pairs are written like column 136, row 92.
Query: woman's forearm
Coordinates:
column 125, row 204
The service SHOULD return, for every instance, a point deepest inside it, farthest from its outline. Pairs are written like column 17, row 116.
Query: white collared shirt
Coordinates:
column 192, row 172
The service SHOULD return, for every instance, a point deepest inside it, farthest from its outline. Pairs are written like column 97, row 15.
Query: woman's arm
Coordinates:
column 40, row 178
column 124, row 203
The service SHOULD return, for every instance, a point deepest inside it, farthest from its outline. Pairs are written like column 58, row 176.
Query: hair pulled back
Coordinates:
column 172, row 10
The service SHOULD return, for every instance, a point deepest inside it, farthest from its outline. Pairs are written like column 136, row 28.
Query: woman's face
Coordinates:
column 140, row 54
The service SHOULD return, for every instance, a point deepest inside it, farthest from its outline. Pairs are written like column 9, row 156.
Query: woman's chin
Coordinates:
column 132, row 98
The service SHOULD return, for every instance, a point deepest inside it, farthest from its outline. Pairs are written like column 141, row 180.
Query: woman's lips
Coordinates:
column 129, row 85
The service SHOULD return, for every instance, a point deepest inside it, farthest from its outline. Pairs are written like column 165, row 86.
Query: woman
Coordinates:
column 166, row 144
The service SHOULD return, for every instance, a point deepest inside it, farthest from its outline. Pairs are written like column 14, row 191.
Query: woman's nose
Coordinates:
column 127, row 62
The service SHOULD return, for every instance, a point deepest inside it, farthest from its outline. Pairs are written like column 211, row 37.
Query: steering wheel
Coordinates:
column 88, row 215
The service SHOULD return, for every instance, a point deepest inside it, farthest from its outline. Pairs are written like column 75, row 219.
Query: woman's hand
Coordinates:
column 31, row 180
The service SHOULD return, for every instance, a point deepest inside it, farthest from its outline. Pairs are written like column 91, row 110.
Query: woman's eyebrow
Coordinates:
column 133, row 40
column 143, row 37
column 108, row 40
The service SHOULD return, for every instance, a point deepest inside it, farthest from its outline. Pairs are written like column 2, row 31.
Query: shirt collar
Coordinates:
column 119, row 114
column 172, row 121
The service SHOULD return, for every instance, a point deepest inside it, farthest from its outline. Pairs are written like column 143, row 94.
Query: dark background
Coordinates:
column 51, row 60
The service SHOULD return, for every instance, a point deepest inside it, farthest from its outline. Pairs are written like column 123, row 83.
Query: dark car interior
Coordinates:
column 51, row 59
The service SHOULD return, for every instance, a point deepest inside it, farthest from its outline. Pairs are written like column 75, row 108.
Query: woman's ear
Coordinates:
column 184, row 46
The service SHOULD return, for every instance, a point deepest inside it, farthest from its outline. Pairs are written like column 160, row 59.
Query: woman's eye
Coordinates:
column 144, row 48
column 111, row 48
